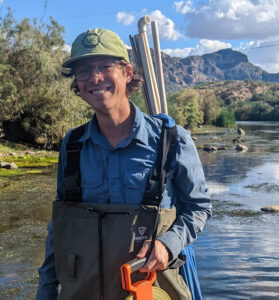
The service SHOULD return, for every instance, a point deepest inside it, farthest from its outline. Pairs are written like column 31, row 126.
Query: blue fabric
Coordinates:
column 189, row 273
column 119, row 175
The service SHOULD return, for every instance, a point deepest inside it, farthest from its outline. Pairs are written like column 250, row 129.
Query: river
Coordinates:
column 237, row 253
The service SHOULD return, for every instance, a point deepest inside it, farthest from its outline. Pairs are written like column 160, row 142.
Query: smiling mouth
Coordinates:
column 98, row 91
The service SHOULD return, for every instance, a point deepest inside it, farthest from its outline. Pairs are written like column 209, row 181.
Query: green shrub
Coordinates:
column 225, row 118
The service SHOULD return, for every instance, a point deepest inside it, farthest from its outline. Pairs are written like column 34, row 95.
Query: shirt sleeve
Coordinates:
column 48, row 282
column 192, row 199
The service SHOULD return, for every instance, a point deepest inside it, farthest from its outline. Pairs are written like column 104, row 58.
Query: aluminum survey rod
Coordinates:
column 147, row 75
column 159, row 67
column 146, row 55
column 139, row 66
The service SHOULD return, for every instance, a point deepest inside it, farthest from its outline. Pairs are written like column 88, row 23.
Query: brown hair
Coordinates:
column 132, row 87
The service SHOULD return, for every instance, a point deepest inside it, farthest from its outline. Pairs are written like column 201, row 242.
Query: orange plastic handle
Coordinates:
column 142, row 290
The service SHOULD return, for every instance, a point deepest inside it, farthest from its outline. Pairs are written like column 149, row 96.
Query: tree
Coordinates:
column 36, row 104
column 184, row 108
column 208, row 105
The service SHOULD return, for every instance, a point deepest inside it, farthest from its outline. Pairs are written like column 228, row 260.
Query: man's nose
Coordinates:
column 96, row 76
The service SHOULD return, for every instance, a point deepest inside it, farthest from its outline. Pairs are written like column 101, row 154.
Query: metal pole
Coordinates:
column 146, row 56
column 159, row 67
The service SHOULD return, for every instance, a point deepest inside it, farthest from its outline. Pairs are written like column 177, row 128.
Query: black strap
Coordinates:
column 72, row 171
column 158, row 178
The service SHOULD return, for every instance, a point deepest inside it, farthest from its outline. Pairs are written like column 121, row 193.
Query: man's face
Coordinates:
column 102, row 82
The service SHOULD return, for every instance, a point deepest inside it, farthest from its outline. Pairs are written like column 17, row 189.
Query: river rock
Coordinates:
column 238, row 140
column 240, row 131
column 222, row 148
column 7, row 165
column 271, row 209
column 241, row 147
column 29, row 153
column 210, row 148
column 12, row 154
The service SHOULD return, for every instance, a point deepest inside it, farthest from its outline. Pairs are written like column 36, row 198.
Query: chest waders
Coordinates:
column 91, row 241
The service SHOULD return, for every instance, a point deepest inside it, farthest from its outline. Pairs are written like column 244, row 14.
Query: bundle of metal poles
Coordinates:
column 153, row 85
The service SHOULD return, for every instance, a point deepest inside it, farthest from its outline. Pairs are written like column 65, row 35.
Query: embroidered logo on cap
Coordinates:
column 91, row 40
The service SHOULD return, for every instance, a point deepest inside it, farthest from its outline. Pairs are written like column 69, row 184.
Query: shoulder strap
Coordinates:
column 72, row 171
column 158, row 178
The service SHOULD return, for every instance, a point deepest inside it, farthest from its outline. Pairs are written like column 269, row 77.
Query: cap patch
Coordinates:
column 91, row 40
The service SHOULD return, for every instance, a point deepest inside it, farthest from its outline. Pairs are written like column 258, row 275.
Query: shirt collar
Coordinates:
column 139, row 131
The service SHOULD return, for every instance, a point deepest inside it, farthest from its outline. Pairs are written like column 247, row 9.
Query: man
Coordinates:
column 101, row 216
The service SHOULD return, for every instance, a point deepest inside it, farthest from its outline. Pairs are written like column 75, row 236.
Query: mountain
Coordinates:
column 225, row 64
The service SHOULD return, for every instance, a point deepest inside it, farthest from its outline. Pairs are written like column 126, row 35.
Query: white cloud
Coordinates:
column 67, row 48
column 208, row 46
column 166, row 26
column 125, row 18
column 183, row 52
column 264, row 54
column 204, row 46
column 230, row 19
column 183, row 7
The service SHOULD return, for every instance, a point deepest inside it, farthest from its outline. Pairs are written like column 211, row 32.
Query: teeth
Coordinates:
column 98, row 92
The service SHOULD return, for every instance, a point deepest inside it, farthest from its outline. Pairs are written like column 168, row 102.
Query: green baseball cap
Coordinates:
column 97, row 41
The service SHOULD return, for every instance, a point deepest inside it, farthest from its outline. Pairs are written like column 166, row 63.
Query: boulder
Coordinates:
column 210, row 148
column 271, row 209
column 240, row 131
column 7, row 165
column 241, row 147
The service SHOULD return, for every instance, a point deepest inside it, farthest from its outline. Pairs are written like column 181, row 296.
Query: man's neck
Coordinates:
column 116, row 126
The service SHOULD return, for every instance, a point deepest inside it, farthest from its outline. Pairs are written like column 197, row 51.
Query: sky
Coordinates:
column 191, row 27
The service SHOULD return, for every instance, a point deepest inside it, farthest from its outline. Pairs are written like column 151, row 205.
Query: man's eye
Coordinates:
column 83, row 71
column 105, row 67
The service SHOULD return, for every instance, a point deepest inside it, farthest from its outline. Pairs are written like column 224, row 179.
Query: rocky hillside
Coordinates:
column 233, row 91
column 222, row 65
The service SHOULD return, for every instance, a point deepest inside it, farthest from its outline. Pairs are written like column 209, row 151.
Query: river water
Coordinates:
column 237, row 253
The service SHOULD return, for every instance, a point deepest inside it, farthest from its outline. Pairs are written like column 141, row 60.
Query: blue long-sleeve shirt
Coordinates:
column 119, row 175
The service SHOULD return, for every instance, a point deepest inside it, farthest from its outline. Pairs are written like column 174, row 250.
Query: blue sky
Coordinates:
column 190, row 27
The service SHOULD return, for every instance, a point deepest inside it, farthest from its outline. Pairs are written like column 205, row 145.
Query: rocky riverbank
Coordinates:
column 20, row 159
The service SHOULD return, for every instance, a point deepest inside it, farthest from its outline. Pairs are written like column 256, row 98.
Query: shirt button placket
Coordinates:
column 114, row 192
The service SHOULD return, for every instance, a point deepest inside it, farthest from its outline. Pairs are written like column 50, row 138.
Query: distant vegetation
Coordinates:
column 37, row 106
column 248, row 100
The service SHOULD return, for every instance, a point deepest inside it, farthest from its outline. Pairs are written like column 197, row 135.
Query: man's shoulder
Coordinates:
column 76, row 132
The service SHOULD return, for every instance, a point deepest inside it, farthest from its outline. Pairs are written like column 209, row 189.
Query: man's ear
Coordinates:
column 129, row 72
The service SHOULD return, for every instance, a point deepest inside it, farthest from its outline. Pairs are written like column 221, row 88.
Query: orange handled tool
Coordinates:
column 140, row 290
